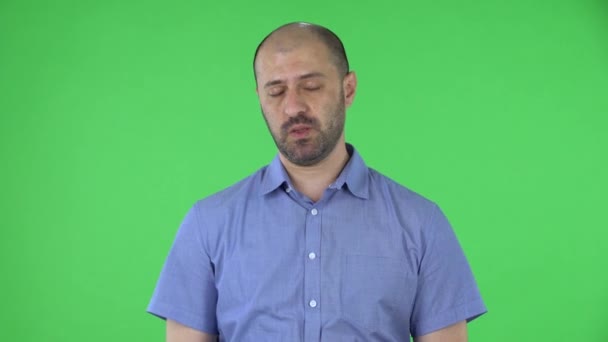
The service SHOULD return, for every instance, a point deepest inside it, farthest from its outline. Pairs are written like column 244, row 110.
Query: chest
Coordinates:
column 288, row 269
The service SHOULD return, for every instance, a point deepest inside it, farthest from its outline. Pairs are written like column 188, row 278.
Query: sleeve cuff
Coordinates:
column 468, row 311
column 196, row 322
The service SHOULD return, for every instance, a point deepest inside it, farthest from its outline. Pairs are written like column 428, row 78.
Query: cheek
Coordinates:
column 271, row 108
column 271, row 117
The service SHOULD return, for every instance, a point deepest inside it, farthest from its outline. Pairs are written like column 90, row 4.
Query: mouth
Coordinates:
column 300, row 131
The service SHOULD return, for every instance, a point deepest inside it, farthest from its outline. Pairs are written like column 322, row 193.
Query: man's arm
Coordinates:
column 453, row 333
column 180, row 333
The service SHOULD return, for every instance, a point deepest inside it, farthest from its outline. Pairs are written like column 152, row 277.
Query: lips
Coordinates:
column 300, row 131
column 299, row 128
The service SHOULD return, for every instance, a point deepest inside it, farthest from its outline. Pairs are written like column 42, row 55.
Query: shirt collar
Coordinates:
column 353, row 177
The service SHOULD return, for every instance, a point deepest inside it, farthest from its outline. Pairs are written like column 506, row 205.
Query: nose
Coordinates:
column 293, row 103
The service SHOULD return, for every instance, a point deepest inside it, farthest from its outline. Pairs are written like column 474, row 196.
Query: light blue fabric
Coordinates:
column 371, row 261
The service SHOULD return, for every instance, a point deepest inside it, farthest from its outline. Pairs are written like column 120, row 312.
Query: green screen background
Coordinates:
column 115, row 116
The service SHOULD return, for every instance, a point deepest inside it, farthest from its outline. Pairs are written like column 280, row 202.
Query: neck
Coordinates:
column 313, row 180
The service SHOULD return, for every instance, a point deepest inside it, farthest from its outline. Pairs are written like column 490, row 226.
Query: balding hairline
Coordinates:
column 295, row 34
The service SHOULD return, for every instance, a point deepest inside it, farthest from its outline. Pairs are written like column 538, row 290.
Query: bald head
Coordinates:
column 293, row 35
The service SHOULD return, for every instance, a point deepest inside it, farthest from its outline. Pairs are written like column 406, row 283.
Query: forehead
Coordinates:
column 292, row 57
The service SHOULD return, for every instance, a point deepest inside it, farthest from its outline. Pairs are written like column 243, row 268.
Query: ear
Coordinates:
column 350, row 87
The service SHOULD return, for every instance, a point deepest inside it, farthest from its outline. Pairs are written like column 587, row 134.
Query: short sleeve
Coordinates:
column 447, row 292
column 185, row 291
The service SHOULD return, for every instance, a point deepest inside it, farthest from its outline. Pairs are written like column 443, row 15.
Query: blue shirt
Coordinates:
column 370, row 261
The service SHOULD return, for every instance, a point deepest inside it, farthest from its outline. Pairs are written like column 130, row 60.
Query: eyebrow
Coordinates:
column 305, row 76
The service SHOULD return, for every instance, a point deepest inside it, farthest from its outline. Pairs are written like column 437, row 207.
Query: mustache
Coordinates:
column 298, row 120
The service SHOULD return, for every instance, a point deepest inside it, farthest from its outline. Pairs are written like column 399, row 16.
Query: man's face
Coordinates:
column 302, row 99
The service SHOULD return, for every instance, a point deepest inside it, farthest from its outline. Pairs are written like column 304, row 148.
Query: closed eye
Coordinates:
column 276, row 92
column 313, row 88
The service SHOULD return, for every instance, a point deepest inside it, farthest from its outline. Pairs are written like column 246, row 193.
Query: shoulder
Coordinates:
column 406, row 203
column 233, row 195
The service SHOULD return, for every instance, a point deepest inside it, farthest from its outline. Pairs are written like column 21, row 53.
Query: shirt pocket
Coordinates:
column 376, row 291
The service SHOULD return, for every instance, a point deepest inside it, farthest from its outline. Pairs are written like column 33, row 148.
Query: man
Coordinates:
column 315, row 246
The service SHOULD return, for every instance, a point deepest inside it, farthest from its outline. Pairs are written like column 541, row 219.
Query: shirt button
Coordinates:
column 312, row 256
column 312, row 303
column 314, row 211
column 288, row 190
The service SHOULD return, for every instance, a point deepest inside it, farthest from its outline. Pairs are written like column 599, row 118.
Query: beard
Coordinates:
column 319, row 144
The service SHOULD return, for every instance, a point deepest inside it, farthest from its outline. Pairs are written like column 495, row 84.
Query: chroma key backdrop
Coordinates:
column 116, row 116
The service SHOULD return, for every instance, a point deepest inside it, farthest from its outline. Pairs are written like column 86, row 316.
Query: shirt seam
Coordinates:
column 202, row 244
column 432, row 233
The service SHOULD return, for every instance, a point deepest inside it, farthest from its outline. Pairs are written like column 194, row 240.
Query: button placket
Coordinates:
column 312, row 276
